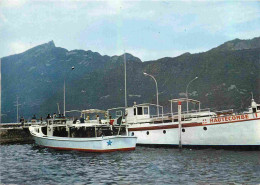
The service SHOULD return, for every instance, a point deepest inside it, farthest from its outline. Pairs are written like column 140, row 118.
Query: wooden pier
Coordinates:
column 12, row 133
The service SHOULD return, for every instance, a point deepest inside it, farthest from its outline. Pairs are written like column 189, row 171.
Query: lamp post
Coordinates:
column 17, row 109
column 64, row 91
column 156, row 91
column 187, row 92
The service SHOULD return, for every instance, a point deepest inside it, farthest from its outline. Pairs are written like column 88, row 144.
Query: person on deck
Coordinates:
column 82, row 120
column 48, row 116
column 22, row 121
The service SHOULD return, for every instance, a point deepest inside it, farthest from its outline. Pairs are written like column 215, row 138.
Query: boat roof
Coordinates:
column 115, row 108
column 92, row 111
column 184, row 100
column 145, row 104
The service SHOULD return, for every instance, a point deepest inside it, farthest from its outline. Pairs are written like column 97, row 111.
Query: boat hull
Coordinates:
column 97, row 144
column 230, row 134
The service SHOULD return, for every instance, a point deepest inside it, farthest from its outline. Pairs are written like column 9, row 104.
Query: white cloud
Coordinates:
column 144, row 22
column 148, row 54
column 225, row 15
column 3, row 18
column 244, row 34
column 19, row 47
column 12, row 3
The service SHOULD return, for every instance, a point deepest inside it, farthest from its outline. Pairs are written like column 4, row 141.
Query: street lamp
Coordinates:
column 64, row 91
column 156, row 91
column 187, row 92
column 17, row 109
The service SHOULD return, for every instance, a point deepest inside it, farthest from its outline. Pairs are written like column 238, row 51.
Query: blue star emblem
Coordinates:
column 109, row 143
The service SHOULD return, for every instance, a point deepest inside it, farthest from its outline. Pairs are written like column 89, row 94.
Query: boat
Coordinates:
column 195, row 129
column 88, row 135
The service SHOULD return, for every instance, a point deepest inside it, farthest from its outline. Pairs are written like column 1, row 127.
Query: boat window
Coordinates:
column 145, row 110
column 139, row 110
column 118, row 113
column 134, row 111
column 258, row 107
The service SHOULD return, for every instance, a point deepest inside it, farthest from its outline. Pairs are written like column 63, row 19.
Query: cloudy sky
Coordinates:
column 146, row 29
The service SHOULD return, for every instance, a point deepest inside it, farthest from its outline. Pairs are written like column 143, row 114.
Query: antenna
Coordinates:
column 125, row 82
column 252, row 95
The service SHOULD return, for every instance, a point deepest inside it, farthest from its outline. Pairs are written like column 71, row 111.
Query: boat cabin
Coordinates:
column 254, row 107
column 141, row 113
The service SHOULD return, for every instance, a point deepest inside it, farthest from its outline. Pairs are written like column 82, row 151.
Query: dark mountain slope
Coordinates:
column 238, row 44
column 225, row 80
column 227, row 76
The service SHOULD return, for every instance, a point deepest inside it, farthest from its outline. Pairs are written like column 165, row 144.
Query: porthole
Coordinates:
column 183, row 130
column 133, row 134
column 205, row 128
column 147, row 132
column 164, row 131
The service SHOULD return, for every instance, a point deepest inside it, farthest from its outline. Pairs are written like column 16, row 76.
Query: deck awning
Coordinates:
column 184, row 100
column 93, row 111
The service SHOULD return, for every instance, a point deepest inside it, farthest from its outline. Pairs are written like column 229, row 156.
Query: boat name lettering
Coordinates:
column 229, row 118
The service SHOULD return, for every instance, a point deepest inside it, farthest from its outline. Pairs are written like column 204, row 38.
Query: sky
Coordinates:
column 147, row 29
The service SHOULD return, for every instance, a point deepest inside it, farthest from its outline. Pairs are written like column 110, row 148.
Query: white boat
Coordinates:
column 90, row 136
column 200, row 128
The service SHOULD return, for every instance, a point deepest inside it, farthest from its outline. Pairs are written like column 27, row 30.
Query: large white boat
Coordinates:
column 200, row 128
column 84, row 135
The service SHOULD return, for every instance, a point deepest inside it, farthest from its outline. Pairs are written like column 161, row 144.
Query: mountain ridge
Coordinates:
column 226, row 78
column 239, row 44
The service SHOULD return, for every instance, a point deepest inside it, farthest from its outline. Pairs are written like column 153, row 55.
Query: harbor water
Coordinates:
column 30, row 164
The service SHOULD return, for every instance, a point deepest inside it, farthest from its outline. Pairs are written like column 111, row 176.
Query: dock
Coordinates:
column 13, row 133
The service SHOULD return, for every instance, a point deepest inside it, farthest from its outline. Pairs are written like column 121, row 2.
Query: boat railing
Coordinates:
column 161, row 117
column 224, row 112
column 188, row 114
column 185, row 115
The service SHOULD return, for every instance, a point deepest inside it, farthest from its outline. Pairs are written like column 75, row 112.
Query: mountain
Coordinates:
column 226, row 74
column 238, row 44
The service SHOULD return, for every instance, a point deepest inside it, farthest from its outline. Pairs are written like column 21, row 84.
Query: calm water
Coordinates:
column 29, row 164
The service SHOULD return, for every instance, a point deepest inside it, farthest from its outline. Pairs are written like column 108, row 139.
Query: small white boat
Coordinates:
column 90, row 136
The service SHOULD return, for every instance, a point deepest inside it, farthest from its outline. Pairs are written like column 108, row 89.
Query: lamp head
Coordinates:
column 145, row 73
column 196, row 77
column 72, row 67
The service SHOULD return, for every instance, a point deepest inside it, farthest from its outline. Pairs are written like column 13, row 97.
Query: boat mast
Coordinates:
column 0, row 93
column 64, row 93
column 64, row 96
column 125, row 83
